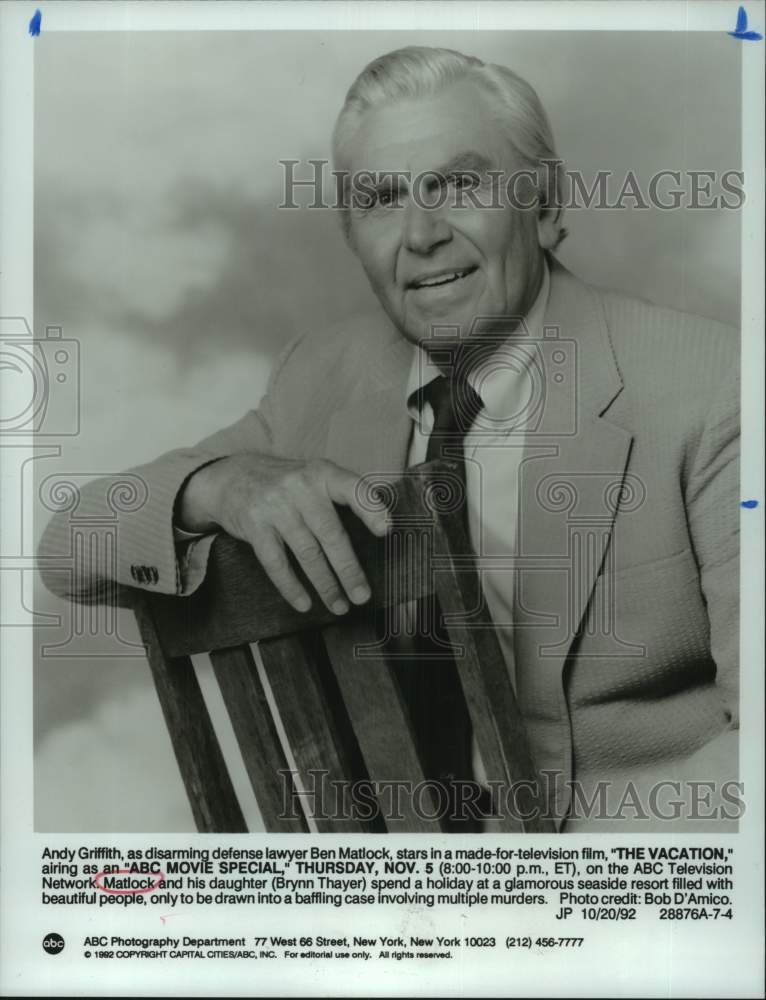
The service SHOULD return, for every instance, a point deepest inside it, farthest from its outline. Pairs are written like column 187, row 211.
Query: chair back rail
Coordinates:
column 330, row 680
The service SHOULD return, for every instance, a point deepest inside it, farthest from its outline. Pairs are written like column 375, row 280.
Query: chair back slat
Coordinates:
column 380, row 722
column 253, row 724
column 203, row 769
column 320, row 737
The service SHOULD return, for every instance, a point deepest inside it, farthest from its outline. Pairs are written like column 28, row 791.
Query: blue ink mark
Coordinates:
column 34, row 24
column 741, row 30
column 749, row 504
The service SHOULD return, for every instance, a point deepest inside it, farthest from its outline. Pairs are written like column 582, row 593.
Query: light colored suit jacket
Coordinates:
column 626, row 624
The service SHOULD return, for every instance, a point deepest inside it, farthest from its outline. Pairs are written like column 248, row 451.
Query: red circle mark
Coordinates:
column 127, row 892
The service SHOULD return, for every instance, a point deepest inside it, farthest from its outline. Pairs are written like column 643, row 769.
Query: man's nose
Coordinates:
column 424, row 228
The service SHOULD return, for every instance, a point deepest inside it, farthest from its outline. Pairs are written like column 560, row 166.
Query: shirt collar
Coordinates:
column 493, row 387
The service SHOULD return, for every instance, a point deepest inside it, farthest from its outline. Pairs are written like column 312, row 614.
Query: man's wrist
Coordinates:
column 195, row 504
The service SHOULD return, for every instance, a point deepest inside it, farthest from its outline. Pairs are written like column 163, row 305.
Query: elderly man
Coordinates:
column 599, row 436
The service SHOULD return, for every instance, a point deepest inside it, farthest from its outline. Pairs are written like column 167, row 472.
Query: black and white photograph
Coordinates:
column 377, row 459
column 430, row 252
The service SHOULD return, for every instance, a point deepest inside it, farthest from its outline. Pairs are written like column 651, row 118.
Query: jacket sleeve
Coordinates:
column 131, row 539
column 713, row 511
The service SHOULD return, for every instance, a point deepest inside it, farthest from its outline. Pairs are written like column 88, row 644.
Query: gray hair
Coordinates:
column 418, row 71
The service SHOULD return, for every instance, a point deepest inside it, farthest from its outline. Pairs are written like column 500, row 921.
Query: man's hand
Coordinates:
column 272, row 502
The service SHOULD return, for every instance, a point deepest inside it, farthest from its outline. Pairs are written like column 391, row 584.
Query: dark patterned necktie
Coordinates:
column 431, row 685
column 455, row 405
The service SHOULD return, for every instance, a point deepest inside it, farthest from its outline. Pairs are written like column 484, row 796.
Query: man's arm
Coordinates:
column 232, row 481
column 148, row 552
column 151, row 552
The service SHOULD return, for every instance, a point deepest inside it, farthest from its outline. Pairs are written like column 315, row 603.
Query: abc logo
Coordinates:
column 53, row 943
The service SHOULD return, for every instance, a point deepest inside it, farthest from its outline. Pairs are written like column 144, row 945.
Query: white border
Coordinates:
column 684, row 971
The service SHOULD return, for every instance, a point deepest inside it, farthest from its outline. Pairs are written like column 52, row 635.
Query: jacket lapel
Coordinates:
column 570, row 483
column 372, row 432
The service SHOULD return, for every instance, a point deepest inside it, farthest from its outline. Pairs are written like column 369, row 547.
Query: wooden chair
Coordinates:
column 330, row 680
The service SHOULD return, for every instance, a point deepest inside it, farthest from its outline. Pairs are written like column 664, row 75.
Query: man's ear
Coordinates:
column 550, row 231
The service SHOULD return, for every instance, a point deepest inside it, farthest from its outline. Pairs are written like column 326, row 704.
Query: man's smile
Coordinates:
column 438, row 279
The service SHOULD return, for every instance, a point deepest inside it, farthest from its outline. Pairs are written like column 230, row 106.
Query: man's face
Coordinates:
column 446, row 265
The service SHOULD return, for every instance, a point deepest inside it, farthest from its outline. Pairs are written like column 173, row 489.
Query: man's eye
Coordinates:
column 369, row 201
column 387, row 199
column 466, row 181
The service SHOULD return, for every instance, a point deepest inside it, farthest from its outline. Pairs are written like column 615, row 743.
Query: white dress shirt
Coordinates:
column 492, row 449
